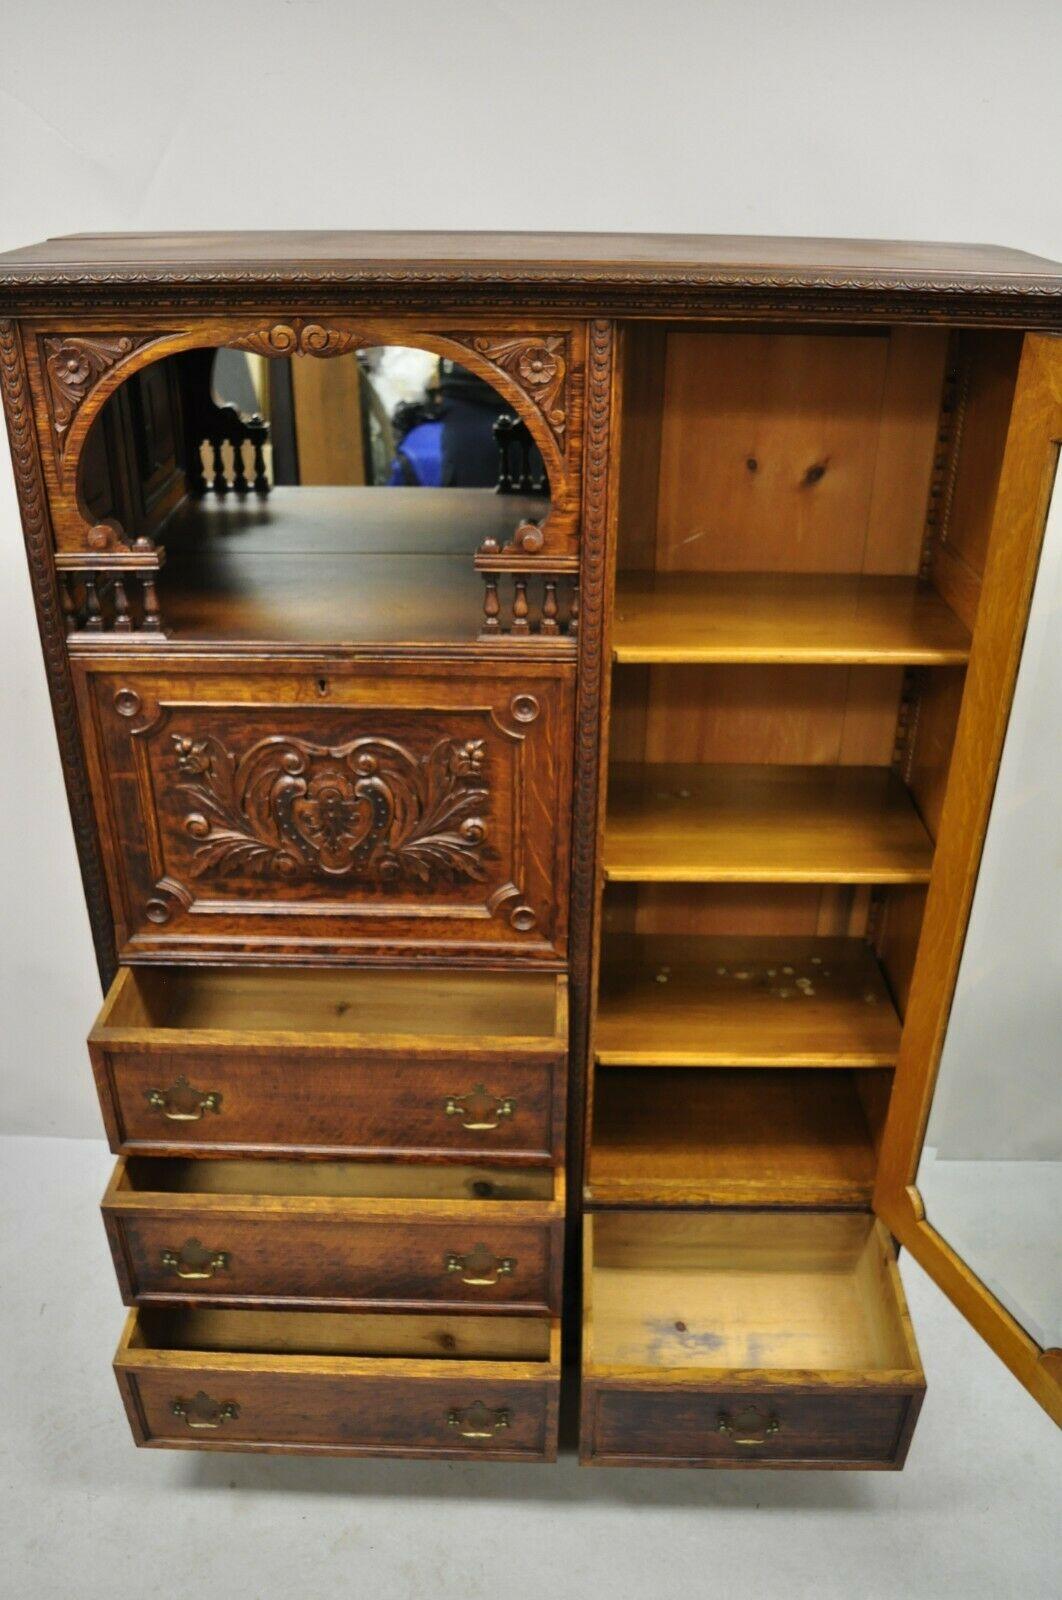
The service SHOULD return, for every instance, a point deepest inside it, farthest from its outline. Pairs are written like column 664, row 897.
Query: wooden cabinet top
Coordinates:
column 685, row 273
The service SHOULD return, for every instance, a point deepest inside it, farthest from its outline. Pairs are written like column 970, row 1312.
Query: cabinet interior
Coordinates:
column 801, row 532
column 422, row 1004
column 428, row 1335
column 173, row 1175
column 744, row 1291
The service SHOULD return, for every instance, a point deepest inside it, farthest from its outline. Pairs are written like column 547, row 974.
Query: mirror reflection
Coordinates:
column 991, row 1168
column 384, row 417
column 337, row 498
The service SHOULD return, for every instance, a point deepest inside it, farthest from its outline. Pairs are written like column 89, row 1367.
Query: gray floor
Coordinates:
column 978, row 1511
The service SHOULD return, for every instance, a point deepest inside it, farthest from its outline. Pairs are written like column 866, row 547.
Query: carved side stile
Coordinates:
column 29, row 483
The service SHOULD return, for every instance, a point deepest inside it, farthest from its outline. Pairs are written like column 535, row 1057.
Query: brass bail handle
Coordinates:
column 479, row 1268
column 193, row 1261
column 203, row 1412
column 181, row 1103
column 479, row 1110
column 749, row 1427
column 478, row 1421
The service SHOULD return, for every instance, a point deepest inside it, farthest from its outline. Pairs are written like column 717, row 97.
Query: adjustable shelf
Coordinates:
column 673, row 1137
column 671, row 823
column 762, row 617
column 724, row 1001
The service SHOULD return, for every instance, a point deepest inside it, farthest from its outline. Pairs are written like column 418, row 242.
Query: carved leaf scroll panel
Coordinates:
column 279, row 828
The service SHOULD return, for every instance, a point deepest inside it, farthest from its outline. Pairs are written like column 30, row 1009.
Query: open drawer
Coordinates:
column 745, row 1339
column 344, row 1235
column 335, row 1383
column 333, row 1062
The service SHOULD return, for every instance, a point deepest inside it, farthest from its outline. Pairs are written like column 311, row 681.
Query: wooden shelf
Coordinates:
column 762, row 824
column 333, row 565
column 671, row 1136
column 763, row 617
column 732, row 1002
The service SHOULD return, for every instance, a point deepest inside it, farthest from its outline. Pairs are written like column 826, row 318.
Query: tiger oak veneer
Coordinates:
column 560, row 877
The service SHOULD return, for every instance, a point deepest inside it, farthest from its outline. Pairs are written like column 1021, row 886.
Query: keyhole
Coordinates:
column 322, row 686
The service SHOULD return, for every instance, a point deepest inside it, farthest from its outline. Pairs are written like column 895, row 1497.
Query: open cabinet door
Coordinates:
column 970, row 1175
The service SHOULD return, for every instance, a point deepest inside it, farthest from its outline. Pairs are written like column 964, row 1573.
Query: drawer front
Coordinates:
column 227, row 1259
column 374, row 810
column 739, row 1428
column 176, row 1102
column 196, row 1408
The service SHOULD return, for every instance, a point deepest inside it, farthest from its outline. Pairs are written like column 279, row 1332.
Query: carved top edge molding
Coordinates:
column 604, row 291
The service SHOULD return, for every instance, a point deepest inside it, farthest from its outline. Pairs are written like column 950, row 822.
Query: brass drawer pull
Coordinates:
column 477, row 1109
column 477, row 1421
column 751, row 1426
column 203, row 1412
column 192, row 1260
column 479, row 1267
column 181, row 1103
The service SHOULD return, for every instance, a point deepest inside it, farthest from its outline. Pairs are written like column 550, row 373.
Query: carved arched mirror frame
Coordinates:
column 537, row 369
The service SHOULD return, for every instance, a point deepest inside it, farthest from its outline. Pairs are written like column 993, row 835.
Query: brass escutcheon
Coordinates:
column 750, row 1426
column 478, row 1421
column 479, row 1110
column 479, row 1268
column 181, row 1103
column 193, row 1261
column 203, row 1412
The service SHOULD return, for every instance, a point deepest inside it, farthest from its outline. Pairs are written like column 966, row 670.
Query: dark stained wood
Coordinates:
column 300, row 815
column 298, row 1389
column 302, row 739
column 264, row 1241
column 602, row 271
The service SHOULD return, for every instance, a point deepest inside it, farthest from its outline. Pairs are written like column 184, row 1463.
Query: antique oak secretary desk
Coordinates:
column 539, row 898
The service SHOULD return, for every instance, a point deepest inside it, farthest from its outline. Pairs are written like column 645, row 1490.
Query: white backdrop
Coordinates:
column 901, row 120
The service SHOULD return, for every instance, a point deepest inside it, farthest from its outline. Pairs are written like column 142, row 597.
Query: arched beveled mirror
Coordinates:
column 339, row 500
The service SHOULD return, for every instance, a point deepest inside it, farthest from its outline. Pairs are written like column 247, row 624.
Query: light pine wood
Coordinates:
column 731, row 824
column 421, row 1335
column 788, row 714
column 1018, row 518
column 680, row 617
column 143, row 1181
column 328, row 425
column 678, row 1136
column 802, row 1291
column 780, row 451
column 736, row 1002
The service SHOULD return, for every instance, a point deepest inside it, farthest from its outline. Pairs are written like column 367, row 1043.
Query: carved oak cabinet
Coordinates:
column 538, row 899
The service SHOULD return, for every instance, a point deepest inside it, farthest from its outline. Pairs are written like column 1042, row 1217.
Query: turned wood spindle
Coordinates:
column 491, row 604
column 503, row 438
column 123, row 622
column 93, row 609
column 520, row 606
column 523, row 446
column 549, row 607
column 257, row 432
column 67, row 602
column 220, row 483
column 152, row 619
column 573, row 611
column 239, row 475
